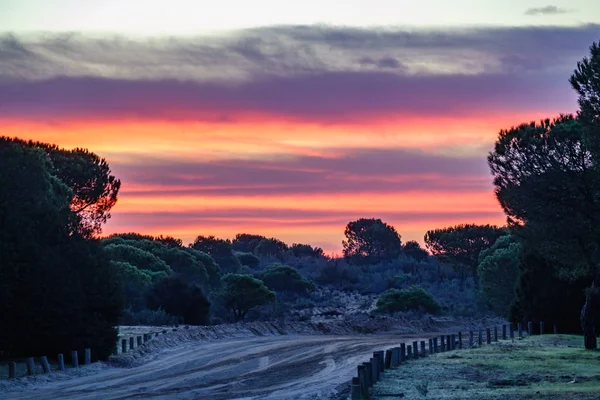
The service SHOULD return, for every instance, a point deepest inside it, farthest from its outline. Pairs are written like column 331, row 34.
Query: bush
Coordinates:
column 149, row 317
column 182, row 299
column 283, row 278
column 412, row 298
column 248, row 259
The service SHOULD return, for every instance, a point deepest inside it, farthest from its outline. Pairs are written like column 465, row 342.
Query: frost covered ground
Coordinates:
column 238, row 361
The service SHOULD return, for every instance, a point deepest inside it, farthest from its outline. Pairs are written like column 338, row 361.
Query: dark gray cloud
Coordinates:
column 293, row 50
column 328, row 97
column 307, row 72
column 547, row 10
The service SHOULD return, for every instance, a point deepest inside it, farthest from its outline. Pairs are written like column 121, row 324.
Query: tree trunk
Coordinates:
column 588, row 318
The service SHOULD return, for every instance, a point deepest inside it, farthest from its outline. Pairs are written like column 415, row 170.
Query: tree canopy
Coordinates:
column 460, row 245
column 241, row 293
column 283, row 278
column 371, row 241
column 51, row 277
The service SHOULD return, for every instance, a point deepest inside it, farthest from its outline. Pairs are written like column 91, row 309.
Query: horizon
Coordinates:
column 289, row 124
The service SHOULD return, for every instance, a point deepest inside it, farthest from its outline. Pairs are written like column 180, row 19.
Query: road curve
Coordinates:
column 274, row 367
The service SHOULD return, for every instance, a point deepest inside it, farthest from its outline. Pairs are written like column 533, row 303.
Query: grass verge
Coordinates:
column 540, row 367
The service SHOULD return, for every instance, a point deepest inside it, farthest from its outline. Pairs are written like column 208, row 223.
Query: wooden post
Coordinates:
column 355, row 389
column 435, row 345
column 30, row 366
column 529, row 328
column 489, row 335
column 381, row 358
column 45, row 364
column 495, row 334
column 123, row 345
column 61, row 362
column 74, row 359
column 460, row 340
column 368, row 373
column 88, row 357
column 431, row 350
column 131, row 343
column 452, row 342
column 423, row 349
column 504, row 332
column 512, row 331
column 409, row 352
column 402, row 352
column 362, row 378
column 541, row 327
column 395, row 357
column 12, row 370
column 520, row 327
column 471, row 339
column 415, row 347
column 388, row 359
column 442, row 344
column 375, row 369
column 139, row 341
column 480, row 338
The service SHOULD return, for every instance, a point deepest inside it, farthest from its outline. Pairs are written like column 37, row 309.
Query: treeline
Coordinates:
column 62, row 288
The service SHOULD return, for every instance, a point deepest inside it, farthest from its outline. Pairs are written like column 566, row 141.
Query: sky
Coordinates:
column 290, row 119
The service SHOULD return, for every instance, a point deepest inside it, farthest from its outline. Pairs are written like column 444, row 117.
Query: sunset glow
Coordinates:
column 290, row 125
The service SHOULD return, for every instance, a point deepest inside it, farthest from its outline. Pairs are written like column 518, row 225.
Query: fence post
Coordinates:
column 12, row 370
column 471, row 339
column 368, row 374
column 495, row 334
column 442, row 344
column 87, row 357
column 375, row 369
column 395, row 357
column 431, row 349
column 423, row 349
column 512, row 331
column 415, row 347
column 131, row 343
column 362, row 380
column 480, row 338
column 529, row 328
column 489, row 336
column 355, row 389
column 45, row 365
column 381, row 358
column 460, row 340
column 503, row 332
column 74, row 359
column 61, row 362
column 435, row 345
column 388, row 359
column 520, row 330
column 402, row 352
column 452, row 342
column 124, row 346
column 30, row 366
column 541, row 327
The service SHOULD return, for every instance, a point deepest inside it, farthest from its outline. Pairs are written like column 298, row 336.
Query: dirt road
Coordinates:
column 276, row 367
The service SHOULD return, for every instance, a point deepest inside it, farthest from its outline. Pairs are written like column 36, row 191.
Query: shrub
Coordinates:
column 412, row 298
column 149, row 317
column 283, row 278
column 248, row 259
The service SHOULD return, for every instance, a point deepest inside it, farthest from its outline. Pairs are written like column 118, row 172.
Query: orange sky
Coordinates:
column 291, row 131
column 132, row 143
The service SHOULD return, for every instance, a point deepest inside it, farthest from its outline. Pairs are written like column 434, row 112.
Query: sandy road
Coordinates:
column 276, row 367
